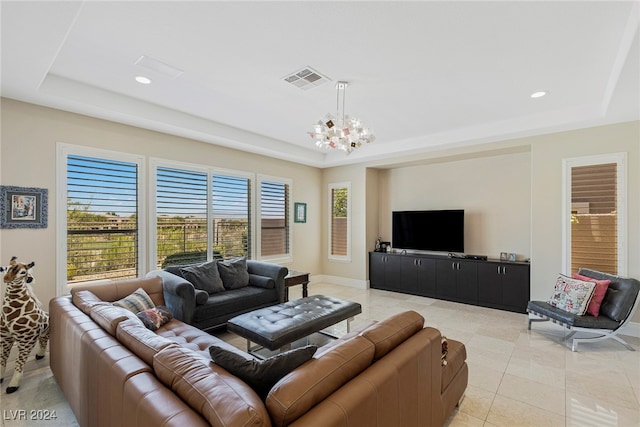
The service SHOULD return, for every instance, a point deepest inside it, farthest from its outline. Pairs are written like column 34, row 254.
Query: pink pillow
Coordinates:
column 598, row 293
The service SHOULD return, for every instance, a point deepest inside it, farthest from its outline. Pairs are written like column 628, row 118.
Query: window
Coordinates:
column 100, row 213
column 195, row 220
column 231, row 216
column 595, row 220
column 275, row 239
column 181, row 216
column 340, row 221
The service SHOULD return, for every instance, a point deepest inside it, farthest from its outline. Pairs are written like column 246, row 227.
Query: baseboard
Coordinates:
column 632, row 329
column 337, row 280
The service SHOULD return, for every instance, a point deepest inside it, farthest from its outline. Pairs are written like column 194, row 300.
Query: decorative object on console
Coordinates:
column 23, row 207
column 341, row 131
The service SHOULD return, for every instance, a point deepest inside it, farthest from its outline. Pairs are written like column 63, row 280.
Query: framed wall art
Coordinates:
column 300, row 212
column 23, row 207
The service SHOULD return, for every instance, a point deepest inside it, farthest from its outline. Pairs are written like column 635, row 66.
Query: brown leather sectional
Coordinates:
column 115, row 372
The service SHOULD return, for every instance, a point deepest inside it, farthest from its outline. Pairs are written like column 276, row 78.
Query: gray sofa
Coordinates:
column 212, row 310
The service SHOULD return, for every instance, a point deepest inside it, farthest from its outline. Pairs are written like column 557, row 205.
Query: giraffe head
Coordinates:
column 18, row 270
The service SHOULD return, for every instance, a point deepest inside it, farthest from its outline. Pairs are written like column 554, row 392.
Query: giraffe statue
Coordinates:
column 22, row 320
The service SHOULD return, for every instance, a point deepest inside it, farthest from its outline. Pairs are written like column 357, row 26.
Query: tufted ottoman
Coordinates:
column 279, row 325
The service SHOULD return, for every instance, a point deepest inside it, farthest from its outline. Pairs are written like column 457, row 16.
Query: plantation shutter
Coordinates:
column 594, row 217
column 181, row 216
column 231, row 216
column 102, row 219
column 274, row 218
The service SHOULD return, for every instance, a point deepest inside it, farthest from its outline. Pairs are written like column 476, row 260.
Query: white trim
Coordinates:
column 332, row 186
column 620, row 159
column 342, row 281
column 62, row 151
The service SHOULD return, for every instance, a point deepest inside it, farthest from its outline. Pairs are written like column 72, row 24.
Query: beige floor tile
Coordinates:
column 506, row 412
column 614, row 390
column 583, row 410
column 534, row 393
column 476, row 402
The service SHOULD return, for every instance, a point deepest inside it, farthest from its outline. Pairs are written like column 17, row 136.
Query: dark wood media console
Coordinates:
column 492, row 283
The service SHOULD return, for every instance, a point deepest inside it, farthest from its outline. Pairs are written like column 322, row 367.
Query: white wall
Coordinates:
column 29, row 136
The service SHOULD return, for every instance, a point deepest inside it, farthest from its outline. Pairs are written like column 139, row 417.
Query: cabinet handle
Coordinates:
column 498, row 269
column 504, row 270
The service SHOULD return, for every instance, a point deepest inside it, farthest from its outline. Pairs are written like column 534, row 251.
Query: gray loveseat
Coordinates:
column 209, row 310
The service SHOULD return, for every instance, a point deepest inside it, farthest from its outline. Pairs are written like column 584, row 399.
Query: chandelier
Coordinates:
column 341, row 132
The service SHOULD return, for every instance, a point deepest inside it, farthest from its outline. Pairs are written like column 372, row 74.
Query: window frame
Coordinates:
column 331, row 187
column 285, row 258
column 620, row 159
column 62, row 152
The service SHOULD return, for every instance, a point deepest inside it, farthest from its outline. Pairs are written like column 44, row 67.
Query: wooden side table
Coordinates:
column 296, row 278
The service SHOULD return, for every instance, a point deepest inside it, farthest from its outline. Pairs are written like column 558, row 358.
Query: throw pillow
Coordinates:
column 154, row 318
column 234, row 273
column 598, row 293
column 572, row 295
column 204, row 276
column 260, row 375
column 137, row 301
column 445, row 351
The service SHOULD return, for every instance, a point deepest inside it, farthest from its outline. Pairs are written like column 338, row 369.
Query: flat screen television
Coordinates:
column 434, row 230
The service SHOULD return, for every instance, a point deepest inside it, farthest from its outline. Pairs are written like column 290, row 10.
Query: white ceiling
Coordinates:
column 423, row 75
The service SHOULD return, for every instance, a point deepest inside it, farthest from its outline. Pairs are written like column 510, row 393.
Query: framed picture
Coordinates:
column 23, row 207
column 300, row 212
column 503, row 256
column 512, row 257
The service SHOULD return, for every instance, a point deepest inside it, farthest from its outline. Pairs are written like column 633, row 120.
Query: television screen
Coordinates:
column 436, row 230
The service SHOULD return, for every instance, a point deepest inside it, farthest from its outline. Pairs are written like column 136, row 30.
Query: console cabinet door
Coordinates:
column 467, row 282
column 418, row 275
column 384, row 271
column 504, row 286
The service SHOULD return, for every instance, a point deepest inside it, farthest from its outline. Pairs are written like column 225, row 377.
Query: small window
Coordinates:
column 275, row 238
column 340, row 221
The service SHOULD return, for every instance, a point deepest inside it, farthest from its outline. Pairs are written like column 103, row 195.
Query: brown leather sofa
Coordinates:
column 115, row 372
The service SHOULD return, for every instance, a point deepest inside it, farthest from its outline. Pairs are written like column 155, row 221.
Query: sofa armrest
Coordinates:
column 179, row 295
column 273, row 271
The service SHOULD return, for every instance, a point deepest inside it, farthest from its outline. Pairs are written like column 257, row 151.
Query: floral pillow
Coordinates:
column 154, row 318
column 572, row 295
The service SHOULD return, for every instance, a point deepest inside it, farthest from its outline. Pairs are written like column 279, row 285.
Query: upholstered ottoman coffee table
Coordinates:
column 278, row 326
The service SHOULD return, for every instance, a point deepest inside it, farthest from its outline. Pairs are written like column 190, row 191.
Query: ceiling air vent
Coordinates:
column 158, row 66
column 306, row 78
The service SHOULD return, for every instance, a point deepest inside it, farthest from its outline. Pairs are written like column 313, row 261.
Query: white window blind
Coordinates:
column 102, row 219
column 231, row 200
column 181, row 216
column 274, row 218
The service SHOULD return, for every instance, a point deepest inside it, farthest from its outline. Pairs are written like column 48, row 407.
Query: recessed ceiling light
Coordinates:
column 143, row 80
column 538, row 94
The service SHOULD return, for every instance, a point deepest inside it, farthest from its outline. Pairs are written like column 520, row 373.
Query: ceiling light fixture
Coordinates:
column 341, row 131
column 143, row 80
column 538, row 94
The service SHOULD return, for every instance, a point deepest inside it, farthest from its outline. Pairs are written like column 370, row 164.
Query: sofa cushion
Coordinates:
column 222, row 399
column 571, row 295
column 119, row 289
column 389, row 333
column 153, row 318
column 109, row 316
column 135, row 302
column 261, row 375
column 234, row 273
column 234, row 302
column 86, row 300
column 204, row 276
column 140, row 340
column 311, row 383
column 599, row 293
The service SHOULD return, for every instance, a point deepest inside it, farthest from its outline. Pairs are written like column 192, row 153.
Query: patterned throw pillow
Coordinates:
column 598, row 293
column 136, row 302
column 572, row 295
column 154, row 318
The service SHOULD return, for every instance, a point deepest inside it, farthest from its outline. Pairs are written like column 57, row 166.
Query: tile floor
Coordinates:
column 516, row 377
